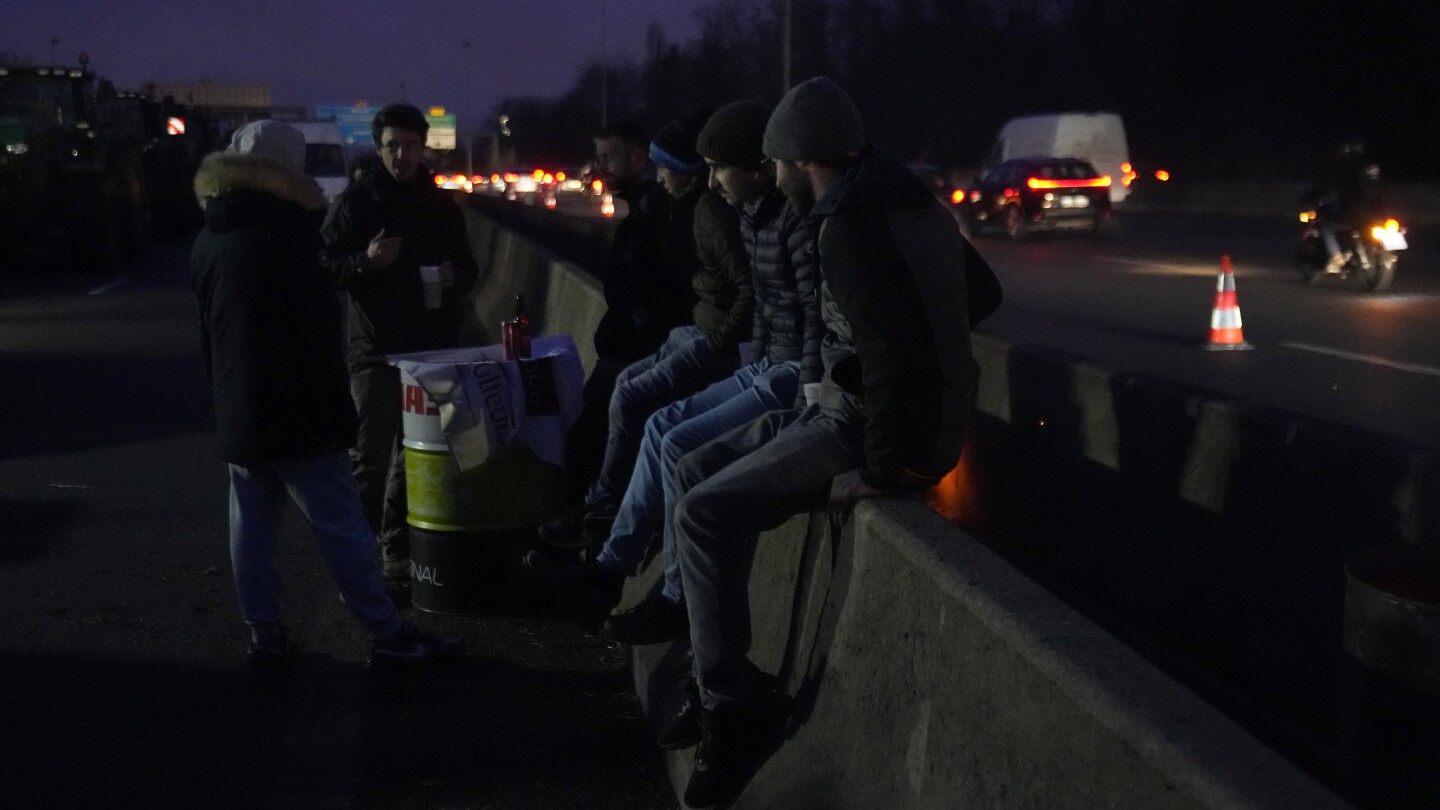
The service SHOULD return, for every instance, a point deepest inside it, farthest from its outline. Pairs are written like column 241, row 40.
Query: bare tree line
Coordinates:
column 1210, row 89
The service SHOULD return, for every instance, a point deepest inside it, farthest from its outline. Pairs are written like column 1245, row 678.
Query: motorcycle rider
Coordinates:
column 1352, row 186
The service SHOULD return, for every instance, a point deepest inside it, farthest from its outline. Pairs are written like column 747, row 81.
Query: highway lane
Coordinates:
column 1139, row 299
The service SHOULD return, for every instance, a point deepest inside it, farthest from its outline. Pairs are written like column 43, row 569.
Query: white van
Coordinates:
column 1098, row 138
column 325, row 158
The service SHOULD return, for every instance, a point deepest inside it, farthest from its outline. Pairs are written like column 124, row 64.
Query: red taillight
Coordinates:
column 957, row 196
column 1093, row 182
column 975, row 196
column 439, row 179
column 1163, row 176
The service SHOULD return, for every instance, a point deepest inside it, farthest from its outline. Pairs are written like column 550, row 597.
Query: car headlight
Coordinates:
column 17, row 148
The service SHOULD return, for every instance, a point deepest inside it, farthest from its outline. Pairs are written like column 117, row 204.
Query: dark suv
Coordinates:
column 1030, row 194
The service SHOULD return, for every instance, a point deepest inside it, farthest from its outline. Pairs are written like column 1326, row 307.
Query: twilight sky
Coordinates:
column 332, row 51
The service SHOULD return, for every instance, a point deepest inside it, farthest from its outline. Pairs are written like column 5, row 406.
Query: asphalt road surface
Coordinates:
column 121, row 651
column 1139, row 299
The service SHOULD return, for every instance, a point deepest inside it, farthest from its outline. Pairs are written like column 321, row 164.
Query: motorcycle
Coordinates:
column 1369, row 252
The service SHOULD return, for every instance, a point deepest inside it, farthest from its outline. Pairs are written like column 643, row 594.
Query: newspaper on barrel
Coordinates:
column 489, row 405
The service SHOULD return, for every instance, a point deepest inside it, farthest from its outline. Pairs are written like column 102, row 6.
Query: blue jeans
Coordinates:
column 324, row 490
column 675, row 430
column 684, row 364
column 748, row 481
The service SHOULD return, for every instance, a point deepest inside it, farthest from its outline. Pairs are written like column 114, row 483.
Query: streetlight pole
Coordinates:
column 604, row 62
column 785, row 49
column 469, row 102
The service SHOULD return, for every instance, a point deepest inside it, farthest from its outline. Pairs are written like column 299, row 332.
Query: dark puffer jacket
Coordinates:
column 896, row 309
column 781, row 243
column 647, row 271
column 269, row 318
column 723, row 281
column 387, row 305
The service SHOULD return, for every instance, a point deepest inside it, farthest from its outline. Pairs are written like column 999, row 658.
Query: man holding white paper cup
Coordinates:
column 397, row 245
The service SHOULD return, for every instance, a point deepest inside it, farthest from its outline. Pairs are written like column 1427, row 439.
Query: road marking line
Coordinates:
column 1414, row 368
column 1174, row 268
column 105, row 288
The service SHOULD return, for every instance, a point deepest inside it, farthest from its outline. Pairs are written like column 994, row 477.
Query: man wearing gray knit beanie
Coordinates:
column 890, row 413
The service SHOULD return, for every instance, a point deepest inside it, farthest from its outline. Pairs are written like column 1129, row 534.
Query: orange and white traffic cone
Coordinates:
column 1225, row 324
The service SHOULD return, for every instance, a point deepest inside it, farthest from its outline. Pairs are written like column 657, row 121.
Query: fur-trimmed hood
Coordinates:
column 220, row 172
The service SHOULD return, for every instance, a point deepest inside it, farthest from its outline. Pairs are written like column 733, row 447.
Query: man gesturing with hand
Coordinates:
column 378, row 234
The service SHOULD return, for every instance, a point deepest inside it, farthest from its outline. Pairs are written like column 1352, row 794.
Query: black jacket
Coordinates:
column 1357, row 197
column 387, row 305
column 648, row 270
column 722, row 281
column 269, row 318
column 896, row 310
column 787, row 324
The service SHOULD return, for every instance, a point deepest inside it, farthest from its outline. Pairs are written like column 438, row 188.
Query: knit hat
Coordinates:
column 733, row 135
column 674, row 144
column 272, row 140
column 816, row 120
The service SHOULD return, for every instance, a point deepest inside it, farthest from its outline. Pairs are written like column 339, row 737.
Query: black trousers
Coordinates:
column 379, row 462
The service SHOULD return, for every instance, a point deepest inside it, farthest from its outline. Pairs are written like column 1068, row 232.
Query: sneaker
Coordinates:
column 409, row 645
column 654, row 621
column 683, row 730
column 1336, row 263
column 731, row 743
column 278, row 654
column 552, row 567
column 562, row 532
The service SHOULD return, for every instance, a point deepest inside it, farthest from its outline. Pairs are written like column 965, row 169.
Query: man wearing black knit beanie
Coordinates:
column 889, row 415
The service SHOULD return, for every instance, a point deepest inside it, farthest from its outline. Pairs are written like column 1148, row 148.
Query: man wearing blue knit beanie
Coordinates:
column 703, row 232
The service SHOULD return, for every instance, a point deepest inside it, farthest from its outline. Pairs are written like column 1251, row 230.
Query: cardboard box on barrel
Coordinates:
column 484, row 443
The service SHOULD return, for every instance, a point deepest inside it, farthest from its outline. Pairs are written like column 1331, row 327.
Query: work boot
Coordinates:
column 683, row 730
column 552, row 567
column 654, row 621
column 275, row 655
column 596, row 525
column 598, row 591
column 731, row 744
column 562, row 532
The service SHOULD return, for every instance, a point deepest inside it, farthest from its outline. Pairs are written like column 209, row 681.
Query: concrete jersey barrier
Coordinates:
column 927, row 671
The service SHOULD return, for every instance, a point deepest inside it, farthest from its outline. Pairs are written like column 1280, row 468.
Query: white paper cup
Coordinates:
column 430, row 280
column 812, row 393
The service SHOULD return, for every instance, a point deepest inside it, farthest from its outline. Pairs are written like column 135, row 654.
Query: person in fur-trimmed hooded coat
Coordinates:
column 271, row 346
column 269, row 315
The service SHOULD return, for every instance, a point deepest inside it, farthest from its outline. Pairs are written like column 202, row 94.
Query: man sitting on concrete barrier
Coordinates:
column 898, row 387
column 785, row 337
column 270, row 327
column 691, row 358
column 641, row 301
